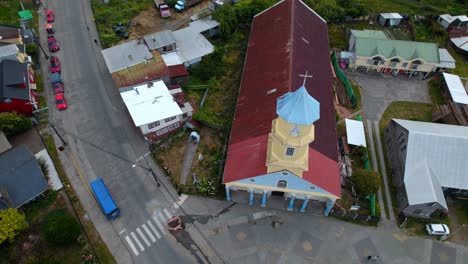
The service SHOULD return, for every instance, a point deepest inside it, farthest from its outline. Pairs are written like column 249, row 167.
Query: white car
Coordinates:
column 437, row 229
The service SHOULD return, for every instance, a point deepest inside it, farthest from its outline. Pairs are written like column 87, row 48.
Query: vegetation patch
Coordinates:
column 13, row 124
column 60, row 228
column 435, row 92
column 406, row 110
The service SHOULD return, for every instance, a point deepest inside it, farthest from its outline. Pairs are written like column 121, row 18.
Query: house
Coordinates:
column 446, row 61
column 428, row 162
column 10, row 35
column 283, row 144
column 373, row 50
column 12, row 52
column 162, row 41
column 448, row 21
column 21, row 178
column 205, row 26
column 155, row 109
column 191, row 46
column 453, row 85
column 459, row 39
column 17, row 88
column 131, row 63
column 389, row 19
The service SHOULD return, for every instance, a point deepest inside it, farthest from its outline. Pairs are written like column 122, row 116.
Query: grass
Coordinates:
column 99, row 247
column 9, row 12
column 336, row 36
column 357, row 94
column 461, row 63
column 435, row 92
column 39, row 83
column 406, row 110
column 421, row 7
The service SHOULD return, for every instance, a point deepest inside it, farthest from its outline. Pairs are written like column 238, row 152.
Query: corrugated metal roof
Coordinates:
column 408, row 50
column 203, row 24
column 446, row 60
column 391, row 15
column 298, row 107
column 13, row 73
column 126, row 55
column 159, row 39
column 435, row 157
column 355, row 132
column 281, row 47
column 8, row 52
column 456, row 88
column 461, row 43
column 191, row 44
column 177, row 70
column 171, row 58
column 368, row 33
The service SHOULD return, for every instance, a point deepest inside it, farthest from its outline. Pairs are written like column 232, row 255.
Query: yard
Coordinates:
column 406, row 110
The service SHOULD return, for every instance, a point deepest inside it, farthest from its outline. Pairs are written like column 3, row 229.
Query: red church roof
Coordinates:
column 286, row 40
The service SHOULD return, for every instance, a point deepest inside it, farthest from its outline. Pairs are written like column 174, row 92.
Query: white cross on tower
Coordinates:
column 305, row 77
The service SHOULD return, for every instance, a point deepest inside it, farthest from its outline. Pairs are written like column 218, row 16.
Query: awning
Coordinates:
column 355, row 132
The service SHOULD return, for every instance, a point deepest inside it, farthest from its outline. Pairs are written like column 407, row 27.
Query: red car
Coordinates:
column 52, row 42
column 60, row 101
column 58, row 88
column 54, row 64
column 50, row 16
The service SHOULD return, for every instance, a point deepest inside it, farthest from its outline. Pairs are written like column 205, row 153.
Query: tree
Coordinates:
column 13, row 123
column 60, row 228
column 12, row 223
column 366, row 182
column 206, row 187
column 227, row 19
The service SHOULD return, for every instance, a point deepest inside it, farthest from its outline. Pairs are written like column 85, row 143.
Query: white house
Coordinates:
column 389, row 19
column 447, row 20
column 155, row 109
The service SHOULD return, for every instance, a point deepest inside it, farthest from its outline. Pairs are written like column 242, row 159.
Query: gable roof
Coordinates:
column 285, row 41
column 435, row 156
column 21, row 176
column 159, row 39
column 407, row 50
column 203, row 24
column 8, row 52
column 9, row 32
column 456, row 89
column 191, row 44
column 446, row 60
column 391, row 15
column 126, row 55
column 12, row 73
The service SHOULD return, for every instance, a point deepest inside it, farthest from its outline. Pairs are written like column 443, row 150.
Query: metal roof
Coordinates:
column 355, row 132
column 407, row 50
column 391, row 15
column 203, row 24
column 126, row 55
column 461, row 43
column 21, row 176
column 191, row 44
column 159, row 39
column 298, row 107
column 368, row 33
column 435, row 158
column 149, row 104
column 8, row 52
column 4, row 143
column 456, row 88
column 13, row 73
column 280, row 48
column 446, row 60
column 171, row 58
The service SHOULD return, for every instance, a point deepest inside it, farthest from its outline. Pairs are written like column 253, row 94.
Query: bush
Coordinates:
column 60, row 228
column 366, row 182
column 44, row 167
column 12, row 223
column 12, row 123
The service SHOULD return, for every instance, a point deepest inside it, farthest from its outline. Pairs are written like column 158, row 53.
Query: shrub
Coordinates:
column 12, row 123
column 366, row 182
column 60, row 228
column 12, row 223
column 44, row 167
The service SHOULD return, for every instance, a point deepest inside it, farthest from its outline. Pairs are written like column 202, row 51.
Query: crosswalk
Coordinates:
column 150, row 232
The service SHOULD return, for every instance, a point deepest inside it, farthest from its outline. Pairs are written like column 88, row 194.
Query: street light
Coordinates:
column 148, row 168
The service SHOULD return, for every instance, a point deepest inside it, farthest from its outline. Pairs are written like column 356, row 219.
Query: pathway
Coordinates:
column 188, row 159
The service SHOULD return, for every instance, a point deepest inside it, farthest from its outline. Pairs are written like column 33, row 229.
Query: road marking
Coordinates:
column 169, row 216
column 130, row 243
column 182, row 199
column 149, row 233
column 161, row 227
column 176, row 206
column 137, row 241
column 121, row 232
column 158, row 236
column 143, row 237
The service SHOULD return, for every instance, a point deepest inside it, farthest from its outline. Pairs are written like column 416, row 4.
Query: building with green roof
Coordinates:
column 373, row 50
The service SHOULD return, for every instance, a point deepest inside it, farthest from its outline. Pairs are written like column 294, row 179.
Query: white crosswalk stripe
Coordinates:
column 182, row 199
column 149, row 233
column 158, row 223
column 137, row 241
column 130, row 243
column 158, row 236
column 143, row 237
column 176, row 206
column 166, row 212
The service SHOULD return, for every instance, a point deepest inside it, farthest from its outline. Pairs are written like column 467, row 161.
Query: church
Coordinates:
column 283, row 145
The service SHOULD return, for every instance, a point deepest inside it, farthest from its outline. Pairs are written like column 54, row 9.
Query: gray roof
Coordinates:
column 4, row 143
column 435, row 158
column 191, row 44
column 21, row 176
column 9, row 32
column 126, row 55
column 203, row 24
column 8, row 52
column 391, row 15
column 11, row 74
column 159, row 39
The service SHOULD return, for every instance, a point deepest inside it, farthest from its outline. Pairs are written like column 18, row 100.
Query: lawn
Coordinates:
column 435, row 92
column 336, row 36
column 406, row 110
column 9, row 12
column 421, row 7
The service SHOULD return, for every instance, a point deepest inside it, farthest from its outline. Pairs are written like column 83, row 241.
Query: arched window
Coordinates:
column 282, row 184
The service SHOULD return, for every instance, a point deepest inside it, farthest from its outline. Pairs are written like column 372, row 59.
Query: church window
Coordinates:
column 289, row 151
column 295, row 131
column 282, row 184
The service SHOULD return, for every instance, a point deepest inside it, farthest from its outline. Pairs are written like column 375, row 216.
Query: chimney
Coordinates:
column 136, row 90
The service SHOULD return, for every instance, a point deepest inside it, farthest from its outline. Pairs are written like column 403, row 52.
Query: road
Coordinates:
column 102, row 142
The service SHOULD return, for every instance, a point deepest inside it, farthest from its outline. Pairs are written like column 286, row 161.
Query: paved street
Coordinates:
column 102, row 142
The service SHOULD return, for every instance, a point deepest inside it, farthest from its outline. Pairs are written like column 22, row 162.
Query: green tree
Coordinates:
column 366, row 182
column 12, row 223
column 226, row 16
column 60, row 228
column 206, row 187
column 13, row 123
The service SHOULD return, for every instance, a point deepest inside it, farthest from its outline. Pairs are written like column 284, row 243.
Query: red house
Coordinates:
column 16, row 83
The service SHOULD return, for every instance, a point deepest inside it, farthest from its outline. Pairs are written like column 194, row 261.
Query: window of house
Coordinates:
column 282, row 184
column 173, row 126
column 404, row 64
column 170, row 119
column 289, row 151
column 184, row 115
column 153, row 125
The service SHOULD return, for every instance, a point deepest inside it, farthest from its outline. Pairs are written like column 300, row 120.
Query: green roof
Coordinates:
column 367, row 33
column 25, row 14
column 407, row 50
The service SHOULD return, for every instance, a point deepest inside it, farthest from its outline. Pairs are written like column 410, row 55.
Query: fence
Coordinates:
column 364, row 219
column 344, row 80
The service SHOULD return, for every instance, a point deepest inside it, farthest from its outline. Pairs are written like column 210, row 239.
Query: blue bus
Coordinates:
column 108, row 206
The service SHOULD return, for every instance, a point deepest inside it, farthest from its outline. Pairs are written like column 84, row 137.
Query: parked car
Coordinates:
column 54, row 64
column 60, row 101
column 50, row 16
column 53, row 44
column 58, row 88
column 437, row 229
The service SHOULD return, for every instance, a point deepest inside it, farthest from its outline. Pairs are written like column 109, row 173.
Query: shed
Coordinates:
column 446, row 60
column 455, row 88
column 355, row 132
column 192, row 46
column 21, row 178
column 389, row 19
column 461, row 44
